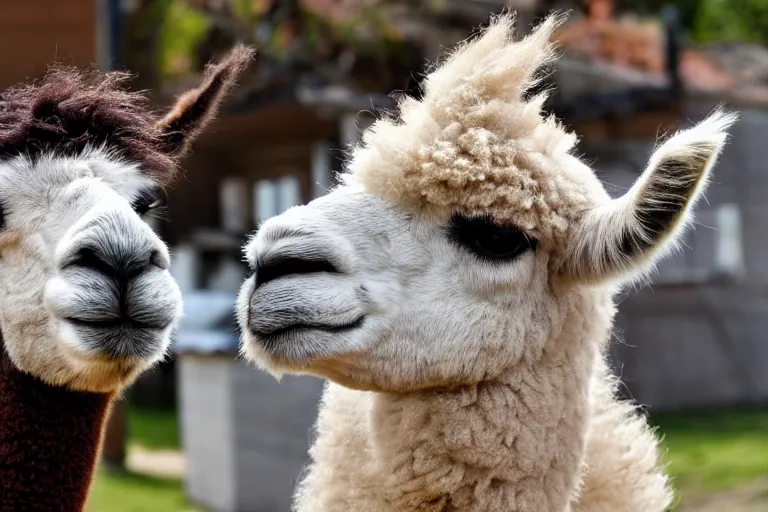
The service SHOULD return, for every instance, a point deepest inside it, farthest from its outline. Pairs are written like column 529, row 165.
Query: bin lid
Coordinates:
column 205, row 342
column 208, row 324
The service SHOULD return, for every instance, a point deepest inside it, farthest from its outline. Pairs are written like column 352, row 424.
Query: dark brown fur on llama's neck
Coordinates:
column 49, row 442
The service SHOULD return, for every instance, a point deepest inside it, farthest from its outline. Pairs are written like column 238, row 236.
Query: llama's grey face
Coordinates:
column 87, row 300
column 353, row 289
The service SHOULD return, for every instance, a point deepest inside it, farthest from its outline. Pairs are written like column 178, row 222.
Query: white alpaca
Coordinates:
column 457, row 292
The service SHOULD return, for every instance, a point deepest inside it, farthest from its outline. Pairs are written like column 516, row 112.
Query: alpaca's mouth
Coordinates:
column 293, row 346
column 118, row 323
column 272, row 336
column 118, row 338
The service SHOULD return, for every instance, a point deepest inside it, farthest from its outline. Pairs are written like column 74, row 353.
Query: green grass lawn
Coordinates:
column 113, row 492
column 713, row 450
column 707, row 451
column 154, row 429
column 127, row 492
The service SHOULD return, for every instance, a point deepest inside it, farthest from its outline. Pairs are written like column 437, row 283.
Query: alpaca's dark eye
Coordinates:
column 2, row 217
column 148, row 200
column 489, row 240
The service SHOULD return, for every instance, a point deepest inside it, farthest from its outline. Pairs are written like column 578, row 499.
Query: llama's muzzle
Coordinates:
column 112, row 292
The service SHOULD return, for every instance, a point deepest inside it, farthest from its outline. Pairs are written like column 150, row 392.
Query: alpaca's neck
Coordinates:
column 49, row 442
column 512, row 444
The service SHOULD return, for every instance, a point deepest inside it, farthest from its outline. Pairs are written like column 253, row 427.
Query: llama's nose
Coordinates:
column 116, row 263
column 275, row 268
column 116, row 245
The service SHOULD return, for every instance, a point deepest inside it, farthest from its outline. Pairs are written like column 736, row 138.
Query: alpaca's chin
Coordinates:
column 96, row 373
column 296, row 350
column 345, row 369
column 103, row 376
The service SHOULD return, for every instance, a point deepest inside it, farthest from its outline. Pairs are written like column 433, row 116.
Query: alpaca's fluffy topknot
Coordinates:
column 474, row 144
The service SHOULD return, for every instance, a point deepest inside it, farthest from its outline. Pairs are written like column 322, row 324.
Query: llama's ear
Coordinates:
column 624, row 237
column 194, row 109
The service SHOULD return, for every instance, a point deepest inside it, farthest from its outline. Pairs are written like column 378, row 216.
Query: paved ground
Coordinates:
column 161, row 463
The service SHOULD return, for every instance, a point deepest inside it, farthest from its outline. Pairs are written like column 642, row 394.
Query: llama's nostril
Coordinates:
column 88, row 257
column 276, row 268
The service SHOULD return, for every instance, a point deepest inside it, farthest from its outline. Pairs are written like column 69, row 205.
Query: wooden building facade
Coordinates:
column 34, row 33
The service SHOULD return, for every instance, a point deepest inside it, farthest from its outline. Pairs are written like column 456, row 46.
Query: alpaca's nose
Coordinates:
column 116, row 246
column 275, row 268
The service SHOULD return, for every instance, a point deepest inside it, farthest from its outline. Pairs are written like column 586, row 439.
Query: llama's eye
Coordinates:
column 148, row 200
column 489, row 240
column 2, row 217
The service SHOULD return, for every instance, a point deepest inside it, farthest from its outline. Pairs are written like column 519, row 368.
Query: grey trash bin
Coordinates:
column 244, row 434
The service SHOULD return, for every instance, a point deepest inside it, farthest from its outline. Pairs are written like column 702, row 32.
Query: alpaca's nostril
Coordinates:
column 277, row 268
column 159, row 260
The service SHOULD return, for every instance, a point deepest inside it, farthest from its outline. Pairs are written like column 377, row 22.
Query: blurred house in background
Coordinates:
column 69, row 30
column 326, row 69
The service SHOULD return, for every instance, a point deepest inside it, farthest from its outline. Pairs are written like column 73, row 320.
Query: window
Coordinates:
column 272, row 197
column 712, row 251
column 234, row 206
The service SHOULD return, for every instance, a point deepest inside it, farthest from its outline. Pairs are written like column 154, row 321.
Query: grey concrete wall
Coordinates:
column 205, row 404
column 245, row 434
column 694, row 346
column 689, row 345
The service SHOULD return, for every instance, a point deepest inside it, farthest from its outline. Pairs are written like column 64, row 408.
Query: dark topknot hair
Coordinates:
column 70, row 109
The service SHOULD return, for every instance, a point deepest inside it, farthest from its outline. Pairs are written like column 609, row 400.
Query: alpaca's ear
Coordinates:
column 627, row 235
column 194, row 109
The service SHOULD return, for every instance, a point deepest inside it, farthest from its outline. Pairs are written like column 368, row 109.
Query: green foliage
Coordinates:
column 367, row 30
column 244, row 9
column 182, row 30
column 154, row 429
column 739, row 20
